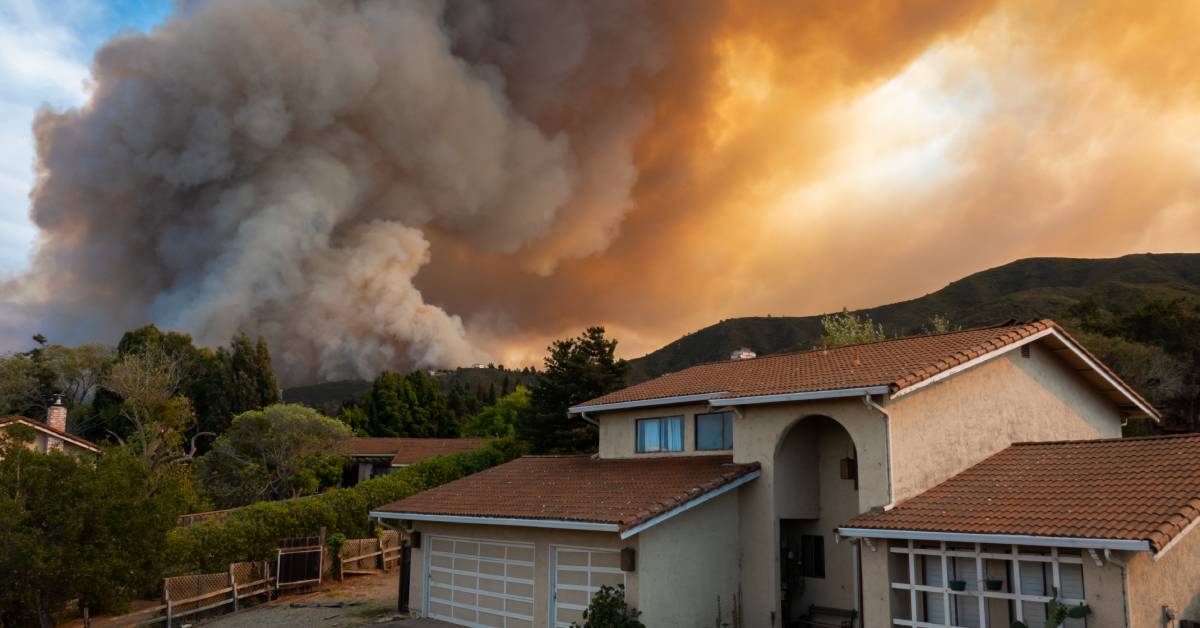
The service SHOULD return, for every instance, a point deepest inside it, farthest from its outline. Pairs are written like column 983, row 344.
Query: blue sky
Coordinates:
column 46, row 49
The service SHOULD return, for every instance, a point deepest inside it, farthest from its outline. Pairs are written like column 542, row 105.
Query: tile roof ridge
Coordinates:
column 1118, row 439
column 1009, row 324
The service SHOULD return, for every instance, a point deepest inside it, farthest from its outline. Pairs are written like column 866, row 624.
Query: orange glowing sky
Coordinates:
column 824, row 157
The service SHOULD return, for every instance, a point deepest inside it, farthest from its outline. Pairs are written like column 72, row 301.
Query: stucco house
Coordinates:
column 52, row 435
column 373, row 456
column 835, row 487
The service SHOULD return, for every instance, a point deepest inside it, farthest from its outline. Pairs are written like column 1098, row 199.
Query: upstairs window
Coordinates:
column 714, row 431
column 659, row 435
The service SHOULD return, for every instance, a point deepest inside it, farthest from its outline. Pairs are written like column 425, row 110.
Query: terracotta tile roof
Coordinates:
column 41, row 425
column 410, row 450
column 1130, row 489
column 625, row 492
column 898, row 364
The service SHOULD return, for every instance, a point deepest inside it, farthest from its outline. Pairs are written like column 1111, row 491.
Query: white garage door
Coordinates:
column 577, row 574
column 471, row 582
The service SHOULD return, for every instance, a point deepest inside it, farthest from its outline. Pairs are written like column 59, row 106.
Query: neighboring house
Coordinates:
column 374, row 456
column 52, row 434
column 725, row 485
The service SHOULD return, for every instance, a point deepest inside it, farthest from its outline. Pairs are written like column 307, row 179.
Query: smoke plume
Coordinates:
column 378, row 184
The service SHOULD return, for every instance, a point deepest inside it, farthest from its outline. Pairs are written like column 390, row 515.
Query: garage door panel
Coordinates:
column 577, row 574
column 469, row 585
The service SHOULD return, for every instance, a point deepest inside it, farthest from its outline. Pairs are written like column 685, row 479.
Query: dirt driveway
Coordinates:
column 359, row 601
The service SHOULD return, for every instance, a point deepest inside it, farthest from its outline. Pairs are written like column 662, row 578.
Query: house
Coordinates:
column 826, row 488
column 374, row 456
column 52, row 435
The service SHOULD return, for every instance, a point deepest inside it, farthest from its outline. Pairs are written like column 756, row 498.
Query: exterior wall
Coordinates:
column 945, row 427
column 618, row 431
column 876, row 585
column 1104, row 589
column 541, row 538
column 759, row 436
column 688, row 563
column 1171, row 581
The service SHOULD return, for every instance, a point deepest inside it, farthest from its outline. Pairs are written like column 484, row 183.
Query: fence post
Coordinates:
column 405, row 576
column 168, row 612
column 233, row 585
column 321, row 559
column 382, row 556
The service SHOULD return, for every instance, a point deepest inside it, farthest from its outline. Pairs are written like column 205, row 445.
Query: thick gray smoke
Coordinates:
column 277, row 167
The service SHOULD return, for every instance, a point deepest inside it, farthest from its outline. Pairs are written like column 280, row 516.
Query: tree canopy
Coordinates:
column 576, row 370
column 283, row 450
column 847, row 328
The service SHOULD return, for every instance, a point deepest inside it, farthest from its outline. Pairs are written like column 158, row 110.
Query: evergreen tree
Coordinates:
column 577, row 369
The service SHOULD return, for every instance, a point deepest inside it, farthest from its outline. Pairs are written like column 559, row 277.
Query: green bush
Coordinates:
column 252, row 532
column 608, row 609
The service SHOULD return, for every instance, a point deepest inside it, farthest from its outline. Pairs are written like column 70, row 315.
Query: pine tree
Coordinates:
column 577, row 370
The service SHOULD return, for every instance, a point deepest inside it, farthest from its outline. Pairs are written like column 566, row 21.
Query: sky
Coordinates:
column 384, row 185
column 45, row 52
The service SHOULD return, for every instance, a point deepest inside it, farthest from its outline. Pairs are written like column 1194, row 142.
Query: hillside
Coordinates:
column 329, row 396
column 1024, row 289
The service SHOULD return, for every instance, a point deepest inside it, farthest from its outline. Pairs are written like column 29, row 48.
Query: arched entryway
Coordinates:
column 816, row 489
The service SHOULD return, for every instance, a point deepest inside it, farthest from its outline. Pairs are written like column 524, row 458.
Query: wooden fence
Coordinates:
column 368, row 556
column 196, row 593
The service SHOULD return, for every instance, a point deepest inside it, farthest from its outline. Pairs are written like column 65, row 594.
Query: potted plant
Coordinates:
column 993, row 584
column 958, row 585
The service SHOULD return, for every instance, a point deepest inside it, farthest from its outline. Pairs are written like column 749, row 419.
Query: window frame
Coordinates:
column 662, row 435
column 941, row 594
column 726, row 430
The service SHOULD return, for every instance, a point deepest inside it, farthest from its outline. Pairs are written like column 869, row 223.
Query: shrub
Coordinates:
column 608, row 609
column 252, row 532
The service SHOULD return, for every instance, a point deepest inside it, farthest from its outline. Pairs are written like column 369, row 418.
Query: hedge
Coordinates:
column 252, row 532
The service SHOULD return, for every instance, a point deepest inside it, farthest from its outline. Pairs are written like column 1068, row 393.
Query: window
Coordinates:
column 942, row 584
column 812, row 555
column 655, row 435
column 714, row 431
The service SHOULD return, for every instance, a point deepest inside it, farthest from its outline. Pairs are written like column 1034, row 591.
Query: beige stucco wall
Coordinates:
column 686, row 563
column 618, row 431
column 945, row 427
column 1172, row 581
column 759, row 436
column 541, row 538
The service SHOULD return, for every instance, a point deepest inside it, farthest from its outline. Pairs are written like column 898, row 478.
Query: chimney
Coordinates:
column 743, row 353
column 56, row 416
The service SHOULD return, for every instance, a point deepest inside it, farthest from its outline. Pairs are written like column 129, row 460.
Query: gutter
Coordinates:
column 805, row 396
column 887, row 429
column 684, row 507
column 644, row 403
column 559, row 524
column 1000, row 539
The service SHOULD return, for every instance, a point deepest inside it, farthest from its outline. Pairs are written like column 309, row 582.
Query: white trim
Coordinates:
column 1188, row 528
column 500, row 521
column 753, row 475
column 1000, row 539
column 804, row 396
column 1100, row 370
column 644, row 403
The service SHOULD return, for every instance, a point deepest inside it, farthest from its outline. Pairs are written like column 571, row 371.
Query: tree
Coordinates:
column 500, row 420
column 76, row 529
column 847, row 328
column 283, row 450
column 576, row 370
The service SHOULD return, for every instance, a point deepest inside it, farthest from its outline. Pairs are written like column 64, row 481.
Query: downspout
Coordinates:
column 856, row 558
column 583, row 415
column 1108, row 555
column 887, row 429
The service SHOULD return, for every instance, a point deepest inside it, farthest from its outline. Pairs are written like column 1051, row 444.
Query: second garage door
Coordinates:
column 577, row 574
column 480, row 583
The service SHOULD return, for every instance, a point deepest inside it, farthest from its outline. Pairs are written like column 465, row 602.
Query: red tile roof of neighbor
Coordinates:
column 1128, row 489
column 40, row 425
column 625, row 492
column 897, row 364
column 410, row 450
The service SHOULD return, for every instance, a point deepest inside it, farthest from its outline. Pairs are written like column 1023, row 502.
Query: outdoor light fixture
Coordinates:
column 628, row 559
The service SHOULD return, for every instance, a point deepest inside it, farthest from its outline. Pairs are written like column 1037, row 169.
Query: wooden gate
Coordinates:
column 300, row 561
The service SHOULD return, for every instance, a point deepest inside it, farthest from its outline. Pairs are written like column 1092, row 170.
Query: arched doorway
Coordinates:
column 816, row 489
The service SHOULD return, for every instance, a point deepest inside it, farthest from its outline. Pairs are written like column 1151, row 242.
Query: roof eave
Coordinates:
column 558, row 524
column 1127, row 545
column 645, row 403
column 688, row 505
